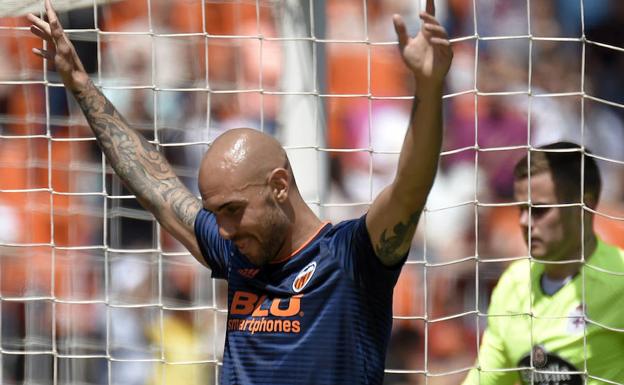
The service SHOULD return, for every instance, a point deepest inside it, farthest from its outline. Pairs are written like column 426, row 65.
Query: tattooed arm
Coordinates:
column 139, row 164
column 394, row 214
column 143, row 169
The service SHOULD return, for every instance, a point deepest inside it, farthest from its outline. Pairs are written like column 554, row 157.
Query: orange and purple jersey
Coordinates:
column 321, row 317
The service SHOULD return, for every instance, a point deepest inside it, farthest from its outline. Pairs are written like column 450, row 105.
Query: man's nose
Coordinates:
column 227, row 230
column 524, row 218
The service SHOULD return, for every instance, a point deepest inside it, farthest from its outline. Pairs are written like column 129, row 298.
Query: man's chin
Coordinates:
column 253, row 258
column 538, row 252
column 256, row 258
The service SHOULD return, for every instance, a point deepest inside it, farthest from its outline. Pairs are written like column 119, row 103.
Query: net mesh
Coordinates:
column 22, row 7
column 92, row 291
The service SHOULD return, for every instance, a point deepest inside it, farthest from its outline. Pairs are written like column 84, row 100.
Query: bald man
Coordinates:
column 309, row 302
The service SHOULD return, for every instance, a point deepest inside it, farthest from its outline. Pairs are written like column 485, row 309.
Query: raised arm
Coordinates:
column 139, row 164
column 394, row 214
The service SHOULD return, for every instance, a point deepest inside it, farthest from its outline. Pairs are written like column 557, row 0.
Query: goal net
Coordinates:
column 93, row 291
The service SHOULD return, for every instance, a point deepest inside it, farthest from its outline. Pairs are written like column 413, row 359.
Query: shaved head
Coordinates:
column 242, row 156
column 246, row 181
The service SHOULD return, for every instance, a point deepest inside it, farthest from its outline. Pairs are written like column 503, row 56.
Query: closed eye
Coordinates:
column 536, row 211
column 231, row 209
column 539, row 212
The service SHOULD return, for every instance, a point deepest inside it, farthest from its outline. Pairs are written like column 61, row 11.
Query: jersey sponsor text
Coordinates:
column 266, row 314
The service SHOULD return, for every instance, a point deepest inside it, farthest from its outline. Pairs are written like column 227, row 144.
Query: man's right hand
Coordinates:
column 60, row 50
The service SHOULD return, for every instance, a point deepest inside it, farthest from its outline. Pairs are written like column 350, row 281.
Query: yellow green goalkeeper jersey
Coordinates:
column 557, row 345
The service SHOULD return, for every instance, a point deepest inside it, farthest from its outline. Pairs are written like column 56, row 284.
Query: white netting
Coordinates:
column 21, row 7
column 93, row 292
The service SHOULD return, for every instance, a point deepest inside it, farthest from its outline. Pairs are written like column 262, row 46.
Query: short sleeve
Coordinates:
column 604, row 285
column 492, row 355
column 359, row 259
column 214, row 249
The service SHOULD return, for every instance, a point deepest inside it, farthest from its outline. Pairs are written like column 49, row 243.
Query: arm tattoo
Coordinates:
column 389, row 247
column 144, row 170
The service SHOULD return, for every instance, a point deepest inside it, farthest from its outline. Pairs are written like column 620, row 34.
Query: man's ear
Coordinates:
column 279, row 182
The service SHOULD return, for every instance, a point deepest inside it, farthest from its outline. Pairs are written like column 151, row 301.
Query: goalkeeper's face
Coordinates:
column 552, row 233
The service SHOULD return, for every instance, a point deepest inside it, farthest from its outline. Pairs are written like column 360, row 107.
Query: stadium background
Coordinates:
column 92, row 291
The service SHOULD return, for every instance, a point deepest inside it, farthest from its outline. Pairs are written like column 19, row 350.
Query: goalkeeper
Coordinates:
column 572, row 337
column 309, row 303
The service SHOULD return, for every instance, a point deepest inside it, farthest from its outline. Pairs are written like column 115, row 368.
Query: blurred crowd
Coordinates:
column 95, row 293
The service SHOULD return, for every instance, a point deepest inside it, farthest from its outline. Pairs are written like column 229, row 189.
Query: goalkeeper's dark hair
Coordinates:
column 565, row 169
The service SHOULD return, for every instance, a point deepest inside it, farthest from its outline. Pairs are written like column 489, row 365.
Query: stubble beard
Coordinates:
column 275, row 236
